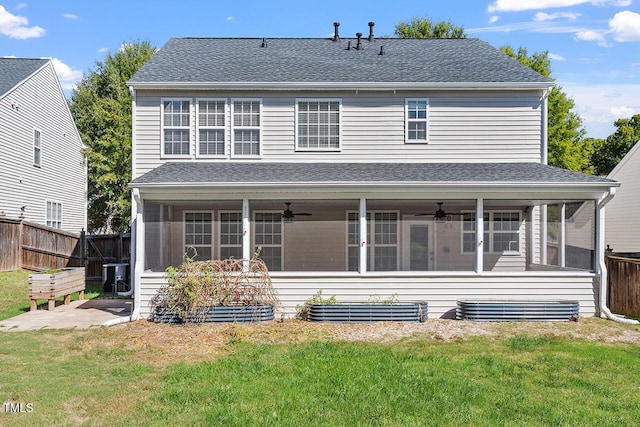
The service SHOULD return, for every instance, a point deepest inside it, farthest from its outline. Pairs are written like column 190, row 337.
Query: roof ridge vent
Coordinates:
column 371, row 24
column 336, row 35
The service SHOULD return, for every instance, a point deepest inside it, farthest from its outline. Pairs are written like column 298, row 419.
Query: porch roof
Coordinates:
column 253, row 173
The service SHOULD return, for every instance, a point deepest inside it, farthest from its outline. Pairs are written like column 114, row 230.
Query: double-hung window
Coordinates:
column 246, row 127
column 501, row 232
column 37, row 147
column 268, row 238
column 382, row 249
column 318, row 125
column 198, row 235
column 416, row 126
column 54, row 215
column 210, row 124
column 230, row 235
column 176, row 127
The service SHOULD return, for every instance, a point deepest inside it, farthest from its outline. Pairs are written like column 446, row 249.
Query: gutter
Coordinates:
column 602, row 268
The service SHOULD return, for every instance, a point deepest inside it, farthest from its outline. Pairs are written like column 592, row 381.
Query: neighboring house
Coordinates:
column 622, row 227
column 43, row 177
column 357, row 167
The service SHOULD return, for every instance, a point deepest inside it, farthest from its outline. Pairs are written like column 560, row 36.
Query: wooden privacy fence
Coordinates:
column 623, row 288
column 36, row 247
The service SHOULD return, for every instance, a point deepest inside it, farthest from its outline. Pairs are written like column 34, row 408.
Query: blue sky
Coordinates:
column 594, row 44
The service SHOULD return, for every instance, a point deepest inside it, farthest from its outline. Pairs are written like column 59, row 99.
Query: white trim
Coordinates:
column 163, row 155
column 479, row 238
column 407, row 121
column 184, row 230
column 492, row 232
column 57, row 219
column 246, row 232
column 224, row 128
column 232, row 101
column 318, row 100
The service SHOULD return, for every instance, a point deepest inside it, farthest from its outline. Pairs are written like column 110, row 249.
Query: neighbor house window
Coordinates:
column 198, row 235
column 211, row 122
column 230, row 235
column 382, row 250
column 54, row 215
column 268, row 239
column 318, row 125
column 37, row 148
column 246, row 127
column 176, row 122
column 501, row 232
column 416, row 120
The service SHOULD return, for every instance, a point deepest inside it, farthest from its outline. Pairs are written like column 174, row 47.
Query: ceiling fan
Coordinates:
column 288, row 214
column 439, row 215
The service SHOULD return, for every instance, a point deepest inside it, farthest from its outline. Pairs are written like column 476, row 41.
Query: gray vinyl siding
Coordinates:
column 463, row 127
column 61, row 178
column 440, row 292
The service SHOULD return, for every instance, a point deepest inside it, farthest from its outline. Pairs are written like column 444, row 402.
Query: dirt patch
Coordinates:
column 162, row 344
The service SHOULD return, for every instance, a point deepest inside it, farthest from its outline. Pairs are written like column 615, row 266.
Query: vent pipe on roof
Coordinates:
column 349, row 45
column 336, row 35
column 371, row 24
column 359, row 45
column 381, row 50
column 264, row 42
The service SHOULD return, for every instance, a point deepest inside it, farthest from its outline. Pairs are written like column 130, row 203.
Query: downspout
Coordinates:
column 544, row 157
column 602, row 268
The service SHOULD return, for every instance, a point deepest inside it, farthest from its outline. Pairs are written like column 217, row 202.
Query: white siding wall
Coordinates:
column 622, row 225
column 440, row 292
column 463, row 127
column 62, row 176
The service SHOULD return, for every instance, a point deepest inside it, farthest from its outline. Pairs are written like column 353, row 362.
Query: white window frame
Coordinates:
column 163, row 128
column 253, row 235
column 371, row 244
column 489, row 229
column 219, row 239
column 185, row 246
column 51, row 219
column 223, row 128
column 234, row 128
column 297, row 134
column 408, row 120
column 37, row 147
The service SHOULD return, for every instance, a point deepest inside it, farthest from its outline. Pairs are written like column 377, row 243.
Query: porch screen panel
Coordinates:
column 198, row 235
column 230, row 235
column 580, row 235
column 268, row 239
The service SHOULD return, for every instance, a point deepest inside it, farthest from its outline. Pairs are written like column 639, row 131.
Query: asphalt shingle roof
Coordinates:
column 232, row 60
column 15, row 70
column 238, row 173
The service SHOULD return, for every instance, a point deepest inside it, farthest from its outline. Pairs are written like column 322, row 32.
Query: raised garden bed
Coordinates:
column 216, row 314
column 50, row 286
column 492, row 310
column 368, row 313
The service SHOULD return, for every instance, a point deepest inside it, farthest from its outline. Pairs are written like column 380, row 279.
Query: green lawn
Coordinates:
column 14, row 294
column 96, row 378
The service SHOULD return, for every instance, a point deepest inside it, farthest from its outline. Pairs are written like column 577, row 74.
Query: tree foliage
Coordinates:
column 609, row 152
column 424, row 28
column 101, row 107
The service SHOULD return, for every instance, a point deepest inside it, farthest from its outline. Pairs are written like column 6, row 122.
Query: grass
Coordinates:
column 14, row 294
column 100, row 377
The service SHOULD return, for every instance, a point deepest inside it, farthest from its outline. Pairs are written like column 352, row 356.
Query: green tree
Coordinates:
column 101, row 107
column 609, row 152
column 567, row 147
column 424, row 28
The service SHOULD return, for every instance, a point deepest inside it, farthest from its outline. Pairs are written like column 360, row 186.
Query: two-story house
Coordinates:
column 43, row 174
column 358, row 167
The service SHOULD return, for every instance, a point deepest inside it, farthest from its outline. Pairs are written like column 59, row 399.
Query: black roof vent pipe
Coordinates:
column 359, row 45
column 336, row 35
column 381, row 50
column 264, row 42
column 371, row 24
column 349, row 45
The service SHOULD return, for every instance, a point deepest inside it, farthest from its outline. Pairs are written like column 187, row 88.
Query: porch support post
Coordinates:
column 562, row 238
column 479, row 235
column 246, row 233
column 138, row 244
column 363, row 236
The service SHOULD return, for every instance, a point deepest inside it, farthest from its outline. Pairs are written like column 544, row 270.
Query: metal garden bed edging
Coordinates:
column 220, row 314
column 368, row 313
column 491, row 310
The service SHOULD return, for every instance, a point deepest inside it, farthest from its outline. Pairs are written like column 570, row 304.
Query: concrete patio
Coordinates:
column 83, row 314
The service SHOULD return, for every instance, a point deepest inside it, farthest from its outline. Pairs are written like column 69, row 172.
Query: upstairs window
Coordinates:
column 37, row 148
column 318, row 125
column 417, row 113
column 246, row 127
column 211, row 115
column 176, row 122
column 54, row 215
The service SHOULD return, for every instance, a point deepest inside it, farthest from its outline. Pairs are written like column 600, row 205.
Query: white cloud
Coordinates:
column 542, row 16
column 16, row 27
column 556, row 57
column 21, row 6
column 493, row 19
column 520, row 5
column 70, row 16
column 103, row 50
column 625, row 26
column 230, row 18
column 67, row 75
column 592, row 36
